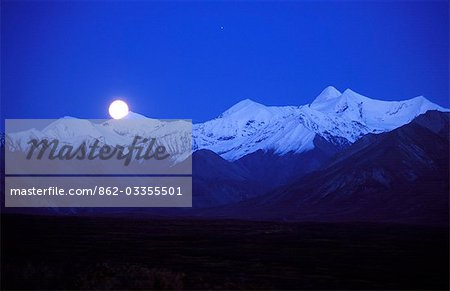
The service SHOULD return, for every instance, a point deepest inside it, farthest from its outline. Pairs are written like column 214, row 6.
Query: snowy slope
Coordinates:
column 338, row 117
column 174, row 135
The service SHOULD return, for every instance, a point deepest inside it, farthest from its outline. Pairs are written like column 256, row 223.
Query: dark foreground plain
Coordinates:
column 42, row 252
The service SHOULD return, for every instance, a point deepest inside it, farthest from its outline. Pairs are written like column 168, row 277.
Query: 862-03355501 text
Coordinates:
column 99, row 191
column 155, row 191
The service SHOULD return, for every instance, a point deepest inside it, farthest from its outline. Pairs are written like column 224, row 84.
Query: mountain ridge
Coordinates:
column 398, row 176
column 248, row 126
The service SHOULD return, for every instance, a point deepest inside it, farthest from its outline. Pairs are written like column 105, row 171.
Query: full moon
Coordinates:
column 118, row 109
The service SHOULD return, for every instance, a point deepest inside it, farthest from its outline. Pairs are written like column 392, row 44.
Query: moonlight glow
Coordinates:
column 118, row 109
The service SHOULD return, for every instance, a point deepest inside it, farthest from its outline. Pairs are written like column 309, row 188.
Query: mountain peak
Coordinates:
column 349, row 93
column 246, row 105
column 246, row 102
column 328, row 93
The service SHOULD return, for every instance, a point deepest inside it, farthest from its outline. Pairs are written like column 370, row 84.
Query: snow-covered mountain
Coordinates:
column 246, row 127
column 174, row 135
column 338, row 117
column 398, row 176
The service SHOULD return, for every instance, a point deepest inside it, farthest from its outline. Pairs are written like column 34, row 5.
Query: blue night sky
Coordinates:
column 173, row 60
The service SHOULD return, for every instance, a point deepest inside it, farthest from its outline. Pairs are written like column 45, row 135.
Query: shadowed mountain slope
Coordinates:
column 400, row 176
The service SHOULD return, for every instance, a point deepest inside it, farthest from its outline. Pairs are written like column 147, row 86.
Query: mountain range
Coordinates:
column 339, row 118
column 344, row 157
column 273, row 146
column 397, row 176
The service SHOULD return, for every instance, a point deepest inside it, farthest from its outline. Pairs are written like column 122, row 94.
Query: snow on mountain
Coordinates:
column 174, row 135
column 376, row 114
column 329, row 93
column 247, row 126
column 338, row 117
